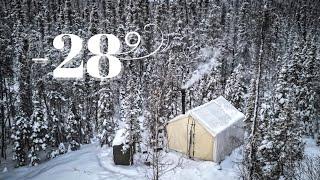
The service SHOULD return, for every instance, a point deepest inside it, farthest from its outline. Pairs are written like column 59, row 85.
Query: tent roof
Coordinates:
column 215, row 115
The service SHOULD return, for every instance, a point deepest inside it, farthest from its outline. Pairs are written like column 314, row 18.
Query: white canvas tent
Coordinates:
column 209, row 132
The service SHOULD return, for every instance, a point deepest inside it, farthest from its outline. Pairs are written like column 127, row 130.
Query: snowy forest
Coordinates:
column 262, row 56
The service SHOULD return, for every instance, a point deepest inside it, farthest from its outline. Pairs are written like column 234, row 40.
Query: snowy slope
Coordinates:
column 94, row 163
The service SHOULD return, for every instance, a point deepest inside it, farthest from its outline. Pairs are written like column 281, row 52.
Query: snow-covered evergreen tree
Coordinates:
column 73, row 129
column 261, row 35
column 282, row 145
column 302, row 91
column 106, row 126
column 132, row 113
column 39, row 134
column 235, row 88
column 21, row 131
column 308, row 82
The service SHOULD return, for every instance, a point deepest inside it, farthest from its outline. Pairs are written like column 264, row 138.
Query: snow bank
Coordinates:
column 204, row 170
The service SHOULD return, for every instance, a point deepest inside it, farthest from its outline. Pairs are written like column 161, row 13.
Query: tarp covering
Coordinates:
column 216, row 115
column 209, row 132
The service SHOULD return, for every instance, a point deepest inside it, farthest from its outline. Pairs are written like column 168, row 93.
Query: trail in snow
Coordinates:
column 72, row 162
column 92, row 162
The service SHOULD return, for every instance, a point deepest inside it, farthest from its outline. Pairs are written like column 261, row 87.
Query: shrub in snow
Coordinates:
column 74, row 145
column 62, row 148
column 53, row 154
column 34, row 159
column 20, row 135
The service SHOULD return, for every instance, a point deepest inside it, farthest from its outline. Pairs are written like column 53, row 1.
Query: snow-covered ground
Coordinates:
column 311, row 149
column 92, row 162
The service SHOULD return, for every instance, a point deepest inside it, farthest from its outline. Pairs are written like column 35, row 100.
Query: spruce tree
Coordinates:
column 107, row 124
column 73, row 129
column 39, row 134
column 21, row 131
column 282, row 145
column 132, row 113
column 235, row 88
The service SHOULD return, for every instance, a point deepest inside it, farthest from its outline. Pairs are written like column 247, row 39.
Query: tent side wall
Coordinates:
column 177, row 135
column 228, row 139
column 178, row 132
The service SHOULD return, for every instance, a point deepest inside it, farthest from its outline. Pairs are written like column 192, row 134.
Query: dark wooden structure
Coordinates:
column 121, row 157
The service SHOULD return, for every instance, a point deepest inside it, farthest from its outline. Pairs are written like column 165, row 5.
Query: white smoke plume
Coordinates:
column 205, row 68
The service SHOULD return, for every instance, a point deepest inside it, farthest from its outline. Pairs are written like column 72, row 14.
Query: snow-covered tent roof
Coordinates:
column 215, row 115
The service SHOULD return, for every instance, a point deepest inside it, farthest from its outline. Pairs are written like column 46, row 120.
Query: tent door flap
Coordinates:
column 191, row 137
